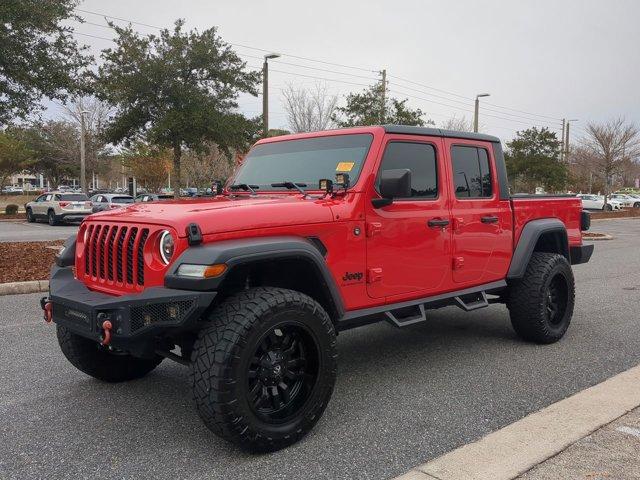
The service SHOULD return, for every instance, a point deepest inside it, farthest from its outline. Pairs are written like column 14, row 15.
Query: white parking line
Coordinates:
column 631, row 431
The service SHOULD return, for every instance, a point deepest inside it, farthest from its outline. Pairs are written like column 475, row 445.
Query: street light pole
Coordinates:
column 566, row 139
column 477, row 109
column 83, row 167
column 265, row 93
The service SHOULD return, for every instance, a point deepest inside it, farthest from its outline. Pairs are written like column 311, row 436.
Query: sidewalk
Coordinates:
column 613, row 452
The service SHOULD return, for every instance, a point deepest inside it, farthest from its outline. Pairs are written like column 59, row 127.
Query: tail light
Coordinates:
column 113, row 205
column 63, row 204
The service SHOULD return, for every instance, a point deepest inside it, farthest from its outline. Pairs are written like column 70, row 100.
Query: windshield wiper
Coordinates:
column 246, row 187
column 291, row 186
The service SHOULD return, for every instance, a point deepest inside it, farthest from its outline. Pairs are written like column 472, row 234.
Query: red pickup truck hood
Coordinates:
column 224, row 214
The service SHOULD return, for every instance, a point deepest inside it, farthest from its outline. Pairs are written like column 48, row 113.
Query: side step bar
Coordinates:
column 411, row 312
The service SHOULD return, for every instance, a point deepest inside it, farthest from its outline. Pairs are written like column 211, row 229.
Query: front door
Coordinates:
column 481, row 221
column 408, row 242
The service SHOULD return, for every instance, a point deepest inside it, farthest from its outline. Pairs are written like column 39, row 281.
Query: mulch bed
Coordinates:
column 624, row 213
column 24, row 261
column 17, row 216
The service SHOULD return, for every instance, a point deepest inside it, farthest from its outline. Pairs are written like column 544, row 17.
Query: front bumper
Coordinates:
column 137, row 320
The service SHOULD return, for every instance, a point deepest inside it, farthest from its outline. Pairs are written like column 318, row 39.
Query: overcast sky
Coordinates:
column 555, row 59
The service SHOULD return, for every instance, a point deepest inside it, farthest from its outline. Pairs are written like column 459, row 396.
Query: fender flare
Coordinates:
column 530, row 235
column 239, row 252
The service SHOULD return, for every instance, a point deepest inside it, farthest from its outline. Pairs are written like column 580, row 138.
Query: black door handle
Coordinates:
column 489, row 219
column 438, row 222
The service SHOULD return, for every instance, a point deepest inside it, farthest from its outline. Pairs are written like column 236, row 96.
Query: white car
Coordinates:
column 626, row 199
column 596, row 202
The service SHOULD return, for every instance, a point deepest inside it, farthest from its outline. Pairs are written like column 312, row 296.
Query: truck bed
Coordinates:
column 567, row 209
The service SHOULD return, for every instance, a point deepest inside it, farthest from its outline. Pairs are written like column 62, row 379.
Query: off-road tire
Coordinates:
column 529, row 299
column 30, row 216
column 96, row 361
column 51, row 218
column 220, row 366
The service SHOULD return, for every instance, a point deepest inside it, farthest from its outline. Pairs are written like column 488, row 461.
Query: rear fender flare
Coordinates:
column 529, row 237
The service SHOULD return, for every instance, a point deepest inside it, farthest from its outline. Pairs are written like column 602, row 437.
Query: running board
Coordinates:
column 402, row 314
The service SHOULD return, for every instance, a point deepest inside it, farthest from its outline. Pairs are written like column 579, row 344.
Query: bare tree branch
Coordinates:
column 309, row 110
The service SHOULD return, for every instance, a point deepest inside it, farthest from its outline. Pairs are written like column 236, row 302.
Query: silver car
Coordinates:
column 57, row 207
column 108, row 201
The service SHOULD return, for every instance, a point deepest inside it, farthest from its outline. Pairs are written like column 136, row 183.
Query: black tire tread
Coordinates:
column 219, row 345
column 524, row 299
column 85, row 355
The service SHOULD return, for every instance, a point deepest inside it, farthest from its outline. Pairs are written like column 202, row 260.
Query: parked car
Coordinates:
column 108, row 201
column 153, row 197
column 596, row 202
column 56, row 207
column 13, row 190
column 330, row 234
column 627, row 200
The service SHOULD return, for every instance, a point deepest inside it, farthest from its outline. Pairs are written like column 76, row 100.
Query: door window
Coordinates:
column 420, row 158
column 471, row 173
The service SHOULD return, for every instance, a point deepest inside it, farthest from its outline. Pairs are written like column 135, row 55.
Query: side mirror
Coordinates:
column 393, row 184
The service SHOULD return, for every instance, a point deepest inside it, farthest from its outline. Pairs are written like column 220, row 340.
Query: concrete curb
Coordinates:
column 16, row 288
column 517, row 448
column 605, row 236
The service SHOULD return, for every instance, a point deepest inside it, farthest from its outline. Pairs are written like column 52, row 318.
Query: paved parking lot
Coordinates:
column 34, row 232
column 402, row 396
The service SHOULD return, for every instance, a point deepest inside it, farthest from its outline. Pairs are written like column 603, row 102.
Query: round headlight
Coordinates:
column 166, row 246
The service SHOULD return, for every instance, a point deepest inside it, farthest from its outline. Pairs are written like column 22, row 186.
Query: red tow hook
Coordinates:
column 48, row 312
column 106, row 338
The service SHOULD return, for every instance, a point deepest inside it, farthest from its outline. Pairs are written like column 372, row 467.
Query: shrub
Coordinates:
column 11, row 209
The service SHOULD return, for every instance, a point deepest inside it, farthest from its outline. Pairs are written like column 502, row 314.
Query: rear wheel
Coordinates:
column 263, row 372
column 97, row 361
column 51, row 216
column 30, row 217
column 541, row 303
column 607, row 207
column 636, row 205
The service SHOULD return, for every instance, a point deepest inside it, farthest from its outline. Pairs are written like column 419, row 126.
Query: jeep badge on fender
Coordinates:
column 251, row 286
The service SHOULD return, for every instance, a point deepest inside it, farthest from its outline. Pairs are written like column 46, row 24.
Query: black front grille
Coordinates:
column 174, row 312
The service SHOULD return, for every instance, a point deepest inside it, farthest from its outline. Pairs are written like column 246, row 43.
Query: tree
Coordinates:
column 459, row 124
column 533, row 160
column 368, row 108
column 177, row 90
column 54, row 149
column 38, row 55
column 14, row 155
column 150, row 166
column 609, row 145
column 309, row 110
column 201, row 169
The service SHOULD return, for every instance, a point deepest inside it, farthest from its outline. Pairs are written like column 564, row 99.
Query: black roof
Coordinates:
column 438, row 132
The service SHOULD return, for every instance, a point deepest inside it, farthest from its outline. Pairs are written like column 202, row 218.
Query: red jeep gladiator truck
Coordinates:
column 314, row 234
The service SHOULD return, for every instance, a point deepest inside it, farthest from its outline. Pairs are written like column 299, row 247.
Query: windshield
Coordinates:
column 122, row 200
column 304, row 161
column 73, row 197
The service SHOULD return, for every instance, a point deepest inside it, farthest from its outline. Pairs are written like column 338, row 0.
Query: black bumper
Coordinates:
column 137, row 320
column 581, row 254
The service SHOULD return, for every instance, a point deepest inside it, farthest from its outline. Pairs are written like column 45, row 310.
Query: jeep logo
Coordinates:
column 355, row 276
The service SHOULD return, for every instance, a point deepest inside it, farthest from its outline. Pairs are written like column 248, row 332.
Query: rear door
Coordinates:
column 405, row 254
column 481, row 220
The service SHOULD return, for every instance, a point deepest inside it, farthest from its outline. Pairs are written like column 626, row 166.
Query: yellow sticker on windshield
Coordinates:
column 345, row 166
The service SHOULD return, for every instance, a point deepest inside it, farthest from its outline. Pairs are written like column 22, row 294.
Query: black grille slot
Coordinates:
column 143, row 240
column 112, row 237
column 123, row 233
column 145, row 315
column 102, row 246
column 130, row 244
column 87, row 249
column 94, row 250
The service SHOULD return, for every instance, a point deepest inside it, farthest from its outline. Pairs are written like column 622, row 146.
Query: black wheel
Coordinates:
column 636, row 205
column 607, row 207
column 97, row 361
column 51, row 216
column 541, row 303
column 30, row 217
column 264, row 370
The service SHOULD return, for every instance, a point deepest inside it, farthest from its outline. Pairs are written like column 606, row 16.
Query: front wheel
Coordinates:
column 97, row 361
column 30, row 216
column 264, row 370
column 607, row 207
column 636, row 205
column 541, row 303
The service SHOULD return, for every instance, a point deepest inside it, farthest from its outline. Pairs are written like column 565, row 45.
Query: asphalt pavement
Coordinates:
column 403, row 396
column 21, row 231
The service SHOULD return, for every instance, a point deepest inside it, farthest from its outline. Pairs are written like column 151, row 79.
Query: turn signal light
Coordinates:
column 201, row 271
